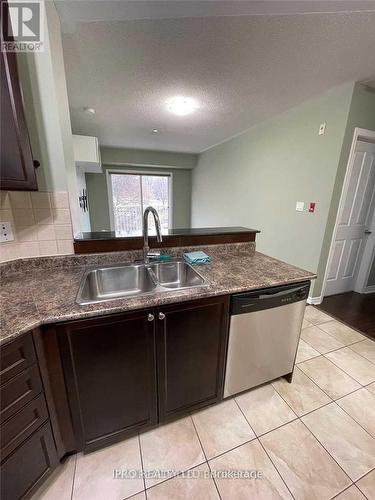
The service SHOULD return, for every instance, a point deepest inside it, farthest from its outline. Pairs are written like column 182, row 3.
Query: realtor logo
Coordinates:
column 22, row 26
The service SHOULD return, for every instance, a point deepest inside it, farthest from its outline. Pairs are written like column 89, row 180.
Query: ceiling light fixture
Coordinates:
column 181, row 105
column 155, row 131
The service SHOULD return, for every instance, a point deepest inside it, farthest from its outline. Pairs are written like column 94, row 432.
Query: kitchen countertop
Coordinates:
column 39, row 296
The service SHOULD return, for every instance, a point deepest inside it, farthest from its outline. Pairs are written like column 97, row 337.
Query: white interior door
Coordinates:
column 355, row 212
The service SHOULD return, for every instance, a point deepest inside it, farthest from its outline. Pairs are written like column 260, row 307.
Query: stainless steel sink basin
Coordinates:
column 114, row 282
column 130, row 280
column 176, row 275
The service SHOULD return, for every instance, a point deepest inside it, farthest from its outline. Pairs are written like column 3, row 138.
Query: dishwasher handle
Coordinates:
column 279, row 294
column 269, row 297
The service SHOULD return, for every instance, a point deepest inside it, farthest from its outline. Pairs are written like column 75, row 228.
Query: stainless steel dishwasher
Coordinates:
column 264, row 331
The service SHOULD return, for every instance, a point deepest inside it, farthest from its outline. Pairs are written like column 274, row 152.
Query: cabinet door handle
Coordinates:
column 150, row 317
column 161, row 316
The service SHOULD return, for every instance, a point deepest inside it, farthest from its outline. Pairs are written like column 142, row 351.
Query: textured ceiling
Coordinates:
column 241, row 70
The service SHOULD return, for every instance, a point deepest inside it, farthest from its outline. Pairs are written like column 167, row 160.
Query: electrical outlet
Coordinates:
column 322, row 128
column 6, row 232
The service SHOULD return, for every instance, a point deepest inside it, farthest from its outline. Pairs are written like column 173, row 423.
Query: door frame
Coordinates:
column 366, row 262
column 359, row 134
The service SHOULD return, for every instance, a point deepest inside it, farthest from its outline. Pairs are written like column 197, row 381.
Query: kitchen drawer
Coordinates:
column 27, row 467
column 19, row 391
column 16, row 357
column 19, row 427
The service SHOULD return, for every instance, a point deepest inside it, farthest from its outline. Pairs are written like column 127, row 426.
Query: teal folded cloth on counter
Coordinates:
column 197, row 258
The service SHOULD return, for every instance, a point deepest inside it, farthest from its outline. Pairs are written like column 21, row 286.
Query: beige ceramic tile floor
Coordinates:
column 312, row 439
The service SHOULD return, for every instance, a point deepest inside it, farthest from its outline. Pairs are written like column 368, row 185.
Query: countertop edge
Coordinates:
column 166, row 298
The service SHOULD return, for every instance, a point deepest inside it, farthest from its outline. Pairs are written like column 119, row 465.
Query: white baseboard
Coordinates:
column 369, row 289
column 314, row 301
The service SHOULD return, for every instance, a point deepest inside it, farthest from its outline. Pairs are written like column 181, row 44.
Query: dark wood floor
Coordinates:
column 354, row 309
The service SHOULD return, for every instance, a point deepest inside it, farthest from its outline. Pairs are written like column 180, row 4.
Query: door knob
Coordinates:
column 367, row 231
column 150, row 317
column 161, row 316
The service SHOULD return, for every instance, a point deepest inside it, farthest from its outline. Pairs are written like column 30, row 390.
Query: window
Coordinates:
column 131, row 193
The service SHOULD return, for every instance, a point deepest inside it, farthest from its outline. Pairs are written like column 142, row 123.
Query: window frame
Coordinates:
column 161, row 173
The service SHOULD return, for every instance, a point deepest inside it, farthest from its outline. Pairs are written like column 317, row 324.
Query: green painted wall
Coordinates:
column 98, row 195
column 255, row 179
column 142, row 157
column 362, row 115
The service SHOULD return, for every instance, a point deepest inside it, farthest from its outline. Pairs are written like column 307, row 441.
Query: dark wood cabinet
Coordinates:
column 110, row 373
column 29, row 465
column 191, row 344
column 17, row 168
column 106, row 378
column 28, row 451
column 127, row 372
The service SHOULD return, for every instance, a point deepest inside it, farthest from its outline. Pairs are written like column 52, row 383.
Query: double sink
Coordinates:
column 135, row 279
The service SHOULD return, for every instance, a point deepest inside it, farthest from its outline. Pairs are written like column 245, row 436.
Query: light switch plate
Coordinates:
column 6, row 232
column 300, row 205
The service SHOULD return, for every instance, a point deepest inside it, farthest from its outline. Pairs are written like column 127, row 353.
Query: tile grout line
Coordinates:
column 367, row 387
column 368, row 472
column 372, row 470
column 285, row 401
column 181, row 472
column 333, row 400
column 265, row 451
column 278, row 427
column 321, row 353
column 207, row 461
column 258, row 437
column 360, row 383
column 325, row 392
column 333, row 458
column 307, row 359
column 346, row 489
column 143, row 470
column 339, row 320
column 172, row 477
column 364, row 357
column 308, row 412
column 351, row 416
column 281, row 425
column 332, row 336
column 74, row 475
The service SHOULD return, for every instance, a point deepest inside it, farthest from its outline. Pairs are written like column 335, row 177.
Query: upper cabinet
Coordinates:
column 87, row 153
column 17, row 169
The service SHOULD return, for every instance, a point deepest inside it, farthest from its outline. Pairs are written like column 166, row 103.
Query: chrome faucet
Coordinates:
column 146, row 248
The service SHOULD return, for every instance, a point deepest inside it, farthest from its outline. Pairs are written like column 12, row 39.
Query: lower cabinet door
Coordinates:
column 110, row 373
column 191, row 345
column 27, row 467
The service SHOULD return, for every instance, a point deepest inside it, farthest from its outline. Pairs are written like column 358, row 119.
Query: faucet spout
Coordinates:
column 146, row 248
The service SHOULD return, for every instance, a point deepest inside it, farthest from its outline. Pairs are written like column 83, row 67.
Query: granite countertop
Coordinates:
column 39, row 296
